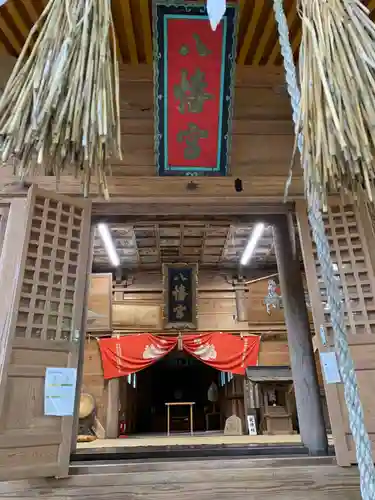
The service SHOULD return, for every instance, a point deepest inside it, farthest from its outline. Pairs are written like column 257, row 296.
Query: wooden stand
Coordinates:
column 276, row 418
column 190, row 404
column 212, row 415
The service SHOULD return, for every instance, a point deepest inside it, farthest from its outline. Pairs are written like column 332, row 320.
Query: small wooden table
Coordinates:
column 168, row 405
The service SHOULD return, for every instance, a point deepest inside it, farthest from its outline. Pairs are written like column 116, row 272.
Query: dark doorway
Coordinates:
column 176, row 378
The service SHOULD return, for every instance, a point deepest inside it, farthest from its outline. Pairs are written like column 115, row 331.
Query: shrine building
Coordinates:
column 190, row 305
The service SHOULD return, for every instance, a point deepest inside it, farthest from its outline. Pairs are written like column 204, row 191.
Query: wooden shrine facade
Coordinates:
column 23, row 317
column 32, row 259
column 261, row 116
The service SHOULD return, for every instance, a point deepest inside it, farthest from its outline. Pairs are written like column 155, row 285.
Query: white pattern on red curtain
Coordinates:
column 206, row 352
column 153, row 351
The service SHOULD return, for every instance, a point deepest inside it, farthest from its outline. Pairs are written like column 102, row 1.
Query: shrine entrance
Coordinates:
column 182, row 383
column 45, row 260
column 242, row 301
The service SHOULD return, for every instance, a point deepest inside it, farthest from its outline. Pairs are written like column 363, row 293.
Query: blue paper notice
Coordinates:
column 60, row 391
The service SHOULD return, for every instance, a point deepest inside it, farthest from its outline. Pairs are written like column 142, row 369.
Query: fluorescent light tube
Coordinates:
column 252, row 243
column 108, row 244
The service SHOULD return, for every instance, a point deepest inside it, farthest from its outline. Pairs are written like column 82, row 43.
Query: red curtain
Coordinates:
column 225, row 352
column 131, row 353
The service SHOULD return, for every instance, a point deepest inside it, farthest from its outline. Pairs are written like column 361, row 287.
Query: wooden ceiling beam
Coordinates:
column 34, row 14
column 14, row 22
column 127, row 25
column 11, row 38
column 266, row 35
column 157, row 238
column 18, row 20
column 241, row 5
column 146, row 28
column 255, row 17
column 181, row 248
column 228, row 241
column 296, row 41
column 133, row 240
column 32, row 11
column 203, row 241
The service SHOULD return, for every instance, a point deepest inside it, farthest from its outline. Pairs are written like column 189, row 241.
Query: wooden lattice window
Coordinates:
column 50, row 272
column 352, row 264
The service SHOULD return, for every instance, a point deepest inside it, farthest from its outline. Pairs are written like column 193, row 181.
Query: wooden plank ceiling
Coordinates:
column 257, row 35
column 147, row 245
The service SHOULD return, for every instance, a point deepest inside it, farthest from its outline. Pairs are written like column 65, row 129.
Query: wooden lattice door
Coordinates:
column 43, row 270
column 4, row 209
column 352, row 244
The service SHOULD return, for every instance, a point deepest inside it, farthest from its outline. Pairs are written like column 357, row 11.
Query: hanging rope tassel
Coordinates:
column 346, row 365
column 60, row 110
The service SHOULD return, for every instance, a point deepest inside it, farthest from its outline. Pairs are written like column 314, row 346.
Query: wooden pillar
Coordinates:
column 113, row 408
column 309, row 406
column 82, row 343
column 240, row 298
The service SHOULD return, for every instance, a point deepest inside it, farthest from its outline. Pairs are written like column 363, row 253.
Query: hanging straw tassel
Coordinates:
column 59, row 112
column 337, row 76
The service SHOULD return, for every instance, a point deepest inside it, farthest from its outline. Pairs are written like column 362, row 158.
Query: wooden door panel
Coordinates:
column 4, row 209
column 347, row 228
column 44, row 269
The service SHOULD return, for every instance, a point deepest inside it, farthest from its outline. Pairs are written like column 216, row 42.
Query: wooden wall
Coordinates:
column 261, row 110
column 261, row 145
column 99, row 315
column 93, row 381
column 139, row 308
column 256, row 309
column 274, row 352
column 231, row 397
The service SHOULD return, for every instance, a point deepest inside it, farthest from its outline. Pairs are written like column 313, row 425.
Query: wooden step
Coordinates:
column 219, row 463
column 229, row 479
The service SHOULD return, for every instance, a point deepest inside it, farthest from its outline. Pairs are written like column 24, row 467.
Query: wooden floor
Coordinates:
column 225, row 479
column 204, row 438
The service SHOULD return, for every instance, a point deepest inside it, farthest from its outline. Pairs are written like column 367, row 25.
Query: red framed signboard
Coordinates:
column 193, row 89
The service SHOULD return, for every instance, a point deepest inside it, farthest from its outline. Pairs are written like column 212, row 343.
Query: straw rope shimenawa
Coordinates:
column 337, row 111
column 316, row 192
column 59, row 112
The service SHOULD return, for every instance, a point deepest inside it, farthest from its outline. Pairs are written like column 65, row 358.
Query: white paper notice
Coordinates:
column 251, row 425
column 59, row 391
column 330, row 367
